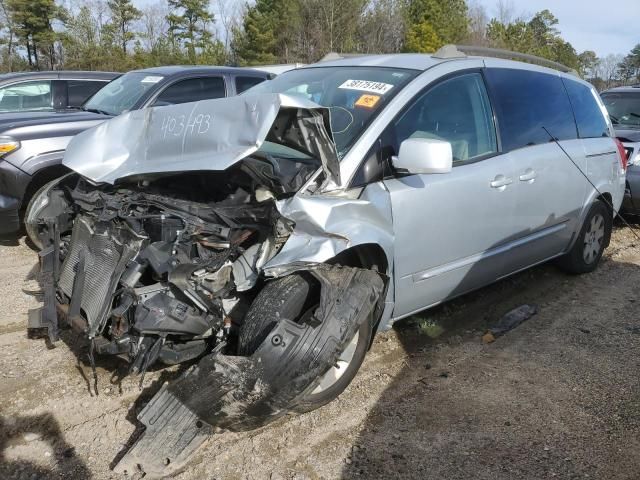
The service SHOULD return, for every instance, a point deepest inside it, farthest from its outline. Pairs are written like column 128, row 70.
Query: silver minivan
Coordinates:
column 265, row 238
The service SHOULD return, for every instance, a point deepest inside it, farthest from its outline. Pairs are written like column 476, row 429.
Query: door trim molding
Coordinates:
column 464, row 262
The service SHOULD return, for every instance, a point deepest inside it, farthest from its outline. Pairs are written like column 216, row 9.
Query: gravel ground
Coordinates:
column 557, row 397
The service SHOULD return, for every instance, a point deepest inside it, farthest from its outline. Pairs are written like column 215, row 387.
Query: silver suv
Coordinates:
column 265, row 238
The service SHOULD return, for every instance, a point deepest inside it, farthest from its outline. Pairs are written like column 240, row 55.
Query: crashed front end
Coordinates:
column 160, row 261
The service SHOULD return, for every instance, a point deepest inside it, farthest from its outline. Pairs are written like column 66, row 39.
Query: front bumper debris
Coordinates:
column 13, row 184
column 242, row 393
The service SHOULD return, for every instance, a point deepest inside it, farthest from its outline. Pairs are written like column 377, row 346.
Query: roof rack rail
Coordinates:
column 457, row 51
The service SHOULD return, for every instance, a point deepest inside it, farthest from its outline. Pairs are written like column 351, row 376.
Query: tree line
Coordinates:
column 118, row 35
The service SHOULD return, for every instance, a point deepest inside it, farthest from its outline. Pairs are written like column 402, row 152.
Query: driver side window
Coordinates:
column 456, row 110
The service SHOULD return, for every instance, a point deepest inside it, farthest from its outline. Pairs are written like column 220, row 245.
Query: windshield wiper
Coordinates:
column 614, row 120
column 96, row 110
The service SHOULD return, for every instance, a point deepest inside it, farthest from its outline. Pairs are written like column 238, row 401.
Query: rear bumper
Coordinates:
column 13, row 185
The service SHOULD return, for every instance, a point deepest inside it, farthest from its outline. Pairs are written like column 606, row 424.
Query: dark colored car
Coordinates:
column 32, row 144
column 623, row 105
column 48, row 91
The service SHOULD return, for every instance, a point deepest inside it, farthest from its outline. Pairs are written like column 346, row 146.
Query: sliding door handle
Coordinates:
column 501, row 182
column 529, row 175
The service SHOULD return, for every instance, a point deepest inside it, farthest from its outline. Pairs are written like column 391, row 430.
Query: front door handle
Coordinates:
column 501, row 182
column 529, row 175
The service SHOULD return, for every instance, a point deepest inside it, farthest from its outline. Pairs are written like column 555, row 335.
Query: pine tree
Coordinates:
column 32, row 20
column 447, row 20
column 123, row 14
column 190, row 26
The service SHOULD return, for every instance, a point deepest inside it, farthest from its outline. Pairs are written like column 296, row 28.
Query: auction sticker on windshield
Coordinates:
column 367, row 86
column 151, row 79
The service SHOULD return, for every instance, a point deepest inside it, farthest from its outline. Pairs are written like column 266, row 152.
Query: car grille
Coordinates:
column 105, row 258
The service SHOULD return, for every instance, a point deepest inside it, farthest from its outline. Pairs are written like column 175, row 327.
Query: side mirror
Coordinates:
column 424, row 155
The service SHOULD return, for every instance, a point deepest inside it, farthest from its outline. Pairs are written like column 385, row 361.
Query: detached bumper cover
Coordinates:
column 243, row 393
column 13, row 184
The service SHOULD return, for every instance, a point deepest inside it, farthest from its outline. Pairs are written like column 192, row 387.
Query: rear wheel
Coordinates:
column 295, row 297
column 591, row 242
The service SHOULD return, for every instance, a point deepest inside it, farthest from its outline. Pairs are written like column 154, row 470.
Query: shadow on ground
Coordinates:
column 22, row 439
column 557, row 397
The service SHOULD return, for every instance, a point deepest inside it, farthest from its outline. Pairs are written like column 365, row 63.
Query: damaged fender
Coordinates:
column 242, row 393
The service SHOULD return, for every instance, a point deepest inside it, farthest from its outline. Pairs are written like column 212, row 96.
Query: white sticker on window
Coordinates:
column 151, row 79
column 367, row 86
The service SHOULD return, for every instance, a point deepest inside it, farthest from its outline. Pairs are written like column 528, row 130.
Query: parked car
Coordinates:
column 267, row 237
column 623, row 105
column 32, row 144
column 49, row 91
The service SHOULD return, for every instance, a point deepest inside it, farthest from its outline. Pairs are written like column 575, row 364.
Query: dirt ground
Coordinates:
column 557, row 397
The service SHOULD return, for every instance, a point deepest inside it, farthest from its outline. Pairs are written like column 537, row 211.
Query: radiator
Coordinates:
column 105, row 255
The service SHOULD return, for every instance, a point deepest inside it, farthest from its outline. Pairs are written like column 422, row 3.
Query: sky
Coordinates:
column 602, row 26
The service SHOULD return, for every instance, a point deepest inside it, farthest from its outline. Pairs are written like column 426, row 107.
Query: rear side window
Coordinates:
column 456, row 110
column 589, row 116
column 33, row 95
column 80, row 91
column 192, row 90
column 527, row 101
column 245, row 83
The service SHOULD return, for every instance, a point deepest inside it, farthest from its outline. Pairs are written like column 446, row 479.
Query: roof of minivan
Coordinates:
column 175, row 69
column 418, row 61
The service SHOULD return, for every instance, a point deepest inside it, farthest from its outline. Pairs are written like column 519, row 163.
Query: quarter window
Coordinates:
column 192, row 90
column 527, row 103
column 589, row 115
column 457, row 111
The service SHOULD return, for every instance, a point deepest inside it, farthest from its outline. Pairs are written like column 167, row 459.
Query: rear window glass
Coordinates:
column 589, row 116
column 527, row 101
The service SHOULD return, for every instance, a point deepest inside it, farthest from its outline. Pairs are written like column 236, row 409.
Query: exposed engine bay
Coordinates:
column 163, row 269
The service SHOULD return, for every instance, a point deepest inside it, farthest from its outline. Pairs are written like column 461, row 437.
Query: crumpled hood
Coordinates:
column 205, row 135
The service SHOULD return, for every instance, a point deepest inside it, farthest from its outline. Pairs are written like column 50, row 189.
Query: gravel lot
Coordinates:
column 557, row 397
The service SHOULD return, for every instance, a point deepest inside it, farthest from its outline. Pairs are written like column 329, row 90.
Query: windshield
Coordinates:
column 354, row 95
column 121, row 94
column 623, row 108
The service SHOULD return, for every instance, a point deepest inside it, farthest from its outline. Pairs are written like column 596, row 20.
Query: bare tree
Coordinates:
column 153, row 24
column 478, row 19
column 228, row 15
column 607, row 69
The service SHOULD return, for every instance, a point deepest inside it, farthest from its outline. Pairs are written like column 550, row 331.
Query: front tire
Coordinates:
column 294, row 297
column 593, row 238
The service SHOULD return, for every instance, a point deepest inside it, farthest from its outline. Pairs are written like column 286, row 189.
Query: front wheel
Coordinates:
column 593, row 238
column 296, row 297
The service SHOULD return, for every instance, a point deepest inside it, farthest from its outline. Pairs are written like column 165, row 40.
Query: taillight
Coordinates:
column 623, row 155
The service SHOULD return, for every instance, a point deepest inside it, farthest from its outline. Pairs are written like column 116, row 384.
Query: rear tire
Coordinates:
column 293, row 297
column 592, row 239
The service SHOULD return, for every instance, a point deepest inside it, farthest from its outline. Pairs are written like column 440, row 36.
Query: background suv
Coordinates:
column 48, row 91
column 623, row 105
column 32, row 146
